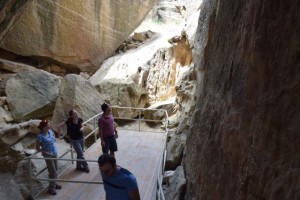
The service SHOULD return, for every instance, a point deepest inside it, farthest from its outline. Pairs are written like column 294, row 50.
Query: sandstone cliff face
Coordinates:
column 244, row 140
column 74, row 33
column 10, row 12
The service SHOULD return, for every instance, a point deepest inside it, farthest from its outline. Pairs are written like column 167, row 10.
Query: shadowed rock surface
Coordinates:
column 244, row 140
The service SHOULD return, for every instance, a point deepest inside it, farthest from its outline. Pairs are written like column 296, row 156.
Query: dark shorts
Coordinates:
column 110, row 144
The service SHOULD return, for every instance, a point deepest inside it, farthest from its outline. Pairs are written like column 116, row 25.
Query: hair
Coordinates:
column 43, row 124
column 106, row 158
column 71, row 112
column 104, row 107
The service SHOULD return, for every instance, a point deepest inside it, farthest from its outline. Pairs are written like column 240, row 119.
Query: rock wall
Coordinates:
column 74, row 33
column 244, row 140
column 10, row 11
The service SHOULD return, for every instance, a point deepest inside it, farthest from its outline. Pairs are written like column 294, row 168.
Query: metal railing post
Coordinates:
column 30, row 176
column 72, row 156
column 140, row 113
column 166, row 123
column 95, row 134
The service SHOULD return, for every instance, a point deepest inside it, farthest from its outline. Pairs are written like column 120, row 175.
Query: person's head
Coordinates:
column 73, row 114
column 107, row 164
column 105, row 108
column 44, row 124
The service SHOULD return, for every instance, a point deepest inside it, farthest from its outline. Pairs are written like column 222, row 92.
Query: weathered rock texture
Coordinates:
column 160, row 84
column 135, row 83
column 176, row 188
column 120, row 82
column 5, row 116
column 14, row 139
column 15, row 67
column 32, row 94
column 75, row 33
column 10, row 11
column 76, row 93
column 244, row 140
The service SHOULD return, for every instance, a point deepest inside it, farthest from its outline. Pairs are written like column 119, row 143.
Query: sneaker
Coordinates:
column 52, row 192
column 87, row 170
column 79, row 168
column 58, row 187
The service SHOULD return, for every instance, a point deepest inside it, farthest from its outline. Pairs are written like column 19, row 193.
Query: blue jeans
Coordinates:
column 78, row 146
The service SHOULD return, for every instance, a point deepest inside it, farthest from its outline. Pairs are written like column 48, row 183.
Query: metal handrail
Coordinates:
column 94, row 132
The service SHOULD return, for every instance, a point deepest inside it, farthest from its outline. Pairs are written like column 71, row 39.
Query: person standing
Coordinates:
column 119, row 183
column 75, row 132
column 107, row 131
column 45, row 144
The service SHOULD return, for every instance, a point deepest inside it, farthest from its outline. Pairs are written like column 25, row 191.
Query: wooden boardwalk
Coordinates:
column 140, row 152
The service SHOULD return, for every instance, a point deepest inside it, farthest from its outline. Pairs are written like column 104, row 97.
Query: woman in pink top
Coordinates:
column 107, row 131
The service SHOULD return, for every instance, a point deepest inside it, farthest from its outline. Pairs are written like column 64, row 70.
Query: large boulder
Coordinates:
column 122, row 79
column 75, row 33
column 32, row 95
column 9, row 68
column 159, row 110
column 76, row 93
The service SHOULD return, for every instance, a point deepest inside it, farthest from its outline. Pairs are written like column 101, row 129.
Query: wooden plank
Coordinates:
column 139, row 152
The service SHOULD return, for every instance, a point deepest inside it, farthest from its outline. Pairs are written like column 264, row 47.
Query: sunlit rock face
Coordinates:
column 74, row 33
column 244, row 140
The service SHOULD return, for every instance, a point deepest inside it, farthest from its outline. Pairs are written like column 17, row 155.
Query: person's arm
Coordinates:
column 38, row 147
column 116, row 132
column 101, row 134
column 59, row 127
column 135, row 194
column 81, row 125
column 132, row 188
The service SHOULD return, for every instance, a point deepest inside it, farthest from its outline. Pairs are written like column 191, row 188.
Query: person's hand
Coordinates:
column 116, row 135
column 102, row 144
column 47, row 153
column 50, row 154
